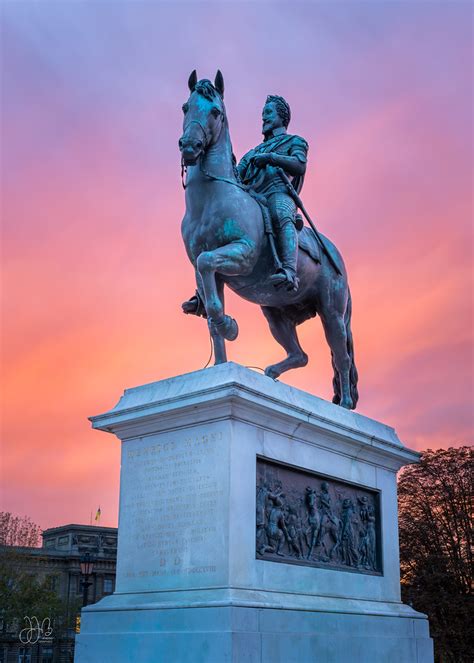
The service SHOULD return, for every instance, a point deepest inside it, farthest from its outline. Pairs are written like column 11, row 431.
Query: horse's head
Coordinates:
column 204, row 117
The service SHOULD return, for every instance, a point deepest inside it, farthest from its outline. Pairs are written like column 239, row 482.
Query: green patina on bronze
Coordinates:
column 241, row 229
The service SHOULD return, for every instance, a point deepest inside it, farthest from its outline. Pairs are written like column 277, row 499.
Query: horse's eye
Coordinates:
column 185, row 108
column 215, row 112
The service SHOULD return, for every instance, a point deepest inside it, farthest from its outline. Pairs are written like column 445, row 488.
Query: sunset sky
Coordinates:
column 94, row 269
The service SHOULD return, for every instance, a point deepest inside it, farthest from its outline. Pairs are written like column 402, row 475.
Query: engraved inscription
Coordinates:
column 305, row 518
column 171, row 504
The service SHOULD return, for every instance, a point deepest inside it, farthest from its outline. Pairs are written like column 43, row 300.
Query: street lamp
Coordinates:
column 87, row 566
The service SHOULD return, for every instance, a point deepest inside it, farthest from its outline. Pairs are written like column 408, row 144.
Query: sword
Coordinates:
column 299, row 203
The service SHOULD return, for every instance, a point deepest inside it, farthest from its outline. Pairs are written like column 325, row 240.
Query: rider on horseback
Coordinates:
column 228, row 234
column 259, row 169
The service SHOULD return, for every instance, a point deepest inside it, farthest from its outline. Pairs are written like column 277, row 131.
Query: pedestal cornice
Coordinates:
column 233, row 391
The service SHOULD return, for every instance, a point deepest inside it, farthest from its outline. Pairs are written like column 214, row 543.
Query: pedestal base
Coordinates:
column 251, row 635
column 258, row 524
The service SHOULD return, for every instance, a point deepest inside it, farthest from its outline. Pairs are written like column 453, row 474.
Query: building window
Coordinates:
column 52, row 583
column 24, row 656
column 78, row 584
column 47, row 655
column 108, row 585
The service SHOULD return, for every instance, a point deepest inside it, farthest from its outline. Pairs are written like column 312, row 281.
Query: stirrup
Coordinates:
column 285, row 276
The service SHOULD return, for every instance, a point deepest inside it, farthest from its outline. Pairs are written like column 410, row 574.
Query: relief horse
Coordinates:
column 225, row 239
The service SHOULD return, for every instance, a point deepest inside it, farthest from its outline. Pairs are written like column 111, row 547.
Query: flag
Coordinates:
column 97, row 515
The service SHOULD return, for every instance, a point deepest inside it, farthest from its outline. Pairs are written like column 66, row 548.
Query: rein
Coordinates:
column 214, row 178
column 217, row 178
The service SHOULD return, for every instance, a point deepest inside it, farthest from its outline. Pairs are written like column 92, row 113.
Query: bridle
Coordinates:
column 202, row 156
column 184, row 168
column 206, row 139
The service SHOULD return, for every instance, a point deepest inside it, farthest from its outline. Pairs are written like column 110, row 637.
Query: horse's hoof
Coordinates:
column 272, row 373
column 231, row 330
column 227, row 327
column 347, row 403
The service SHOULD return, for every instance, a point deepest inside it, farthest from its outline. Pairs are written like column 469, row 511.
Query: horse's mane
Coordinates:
column 207, row 89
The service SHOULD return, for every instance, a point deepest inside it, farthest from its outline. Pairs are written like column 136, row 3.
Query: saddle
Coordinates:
column 308, row 242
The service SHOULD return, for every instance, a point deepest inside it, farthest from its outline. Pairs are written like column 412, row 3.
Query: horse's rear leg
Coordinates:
column 336, row 336
column 284, row 331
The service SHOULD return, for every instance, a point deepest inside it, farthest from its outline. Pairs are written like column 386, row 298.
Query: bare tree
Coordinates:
column 436, row 554
column 22, row 590
column 18, row 531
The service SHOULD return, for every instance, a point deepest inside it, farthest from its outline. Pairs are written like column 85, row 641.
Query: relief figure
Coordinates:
column 262, row 493
column 348, row 549
column 367, row 545
column 330, row 526
column 265, row 497
column 276, row 530
column 295, row 532
column 314, row 520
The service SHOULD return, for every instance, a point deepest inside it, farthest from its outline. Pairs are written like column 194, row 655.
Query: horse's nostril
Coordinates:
column 180, row 143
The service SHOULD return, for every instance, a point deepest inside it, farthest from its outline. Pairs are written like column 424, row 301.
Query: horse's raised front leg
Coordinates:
column 218, row 341
column 229, row 260
column 284, row 331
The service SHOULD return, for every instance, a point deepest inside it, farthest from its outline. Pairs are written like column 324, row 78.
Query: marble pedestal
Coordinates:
column 190, row 586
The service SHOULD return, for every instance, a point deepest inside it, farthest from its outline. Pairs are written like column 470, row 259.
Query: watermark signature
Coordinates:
column 35, row 631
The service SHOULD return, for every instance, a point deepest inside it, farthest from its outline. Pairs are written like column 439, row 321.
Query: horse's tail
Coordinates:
column 353, row 375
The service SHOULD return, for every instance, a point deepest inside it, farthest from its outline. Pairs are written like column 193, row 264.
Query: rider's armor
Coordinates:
column 286, row 150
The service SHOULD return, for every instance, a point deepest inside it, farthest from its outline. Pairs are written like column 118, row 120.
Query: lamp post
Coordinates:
column 87, row 566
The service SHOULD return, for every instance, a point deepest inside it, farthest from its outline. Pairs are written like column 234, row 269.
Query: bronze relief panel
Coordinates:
column 306, row 518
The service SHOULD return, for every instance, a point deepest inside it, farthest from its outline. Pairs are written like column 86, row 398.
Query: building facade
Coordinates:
column 58, row 563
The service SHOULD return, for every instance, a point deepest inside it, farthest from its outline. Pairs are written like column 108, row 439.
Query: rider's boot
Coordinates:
column 286, row 275
column 194, row 306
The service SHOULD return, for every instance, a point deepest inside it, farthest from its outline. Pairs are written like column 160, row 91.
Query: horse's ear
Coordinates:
column 192, row 80
column 219, row 83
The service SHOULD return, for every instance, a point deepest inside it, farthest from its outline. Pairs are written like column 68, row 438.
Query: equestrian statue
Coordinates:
column 244, row 228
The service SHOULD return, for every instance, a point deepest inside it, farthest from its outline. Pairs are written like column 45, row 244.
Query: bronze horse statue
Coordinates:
column 225, row 239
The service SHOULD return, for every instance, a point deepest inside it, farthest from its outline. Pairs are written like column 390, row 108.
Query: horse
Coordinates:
column 225, row 240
